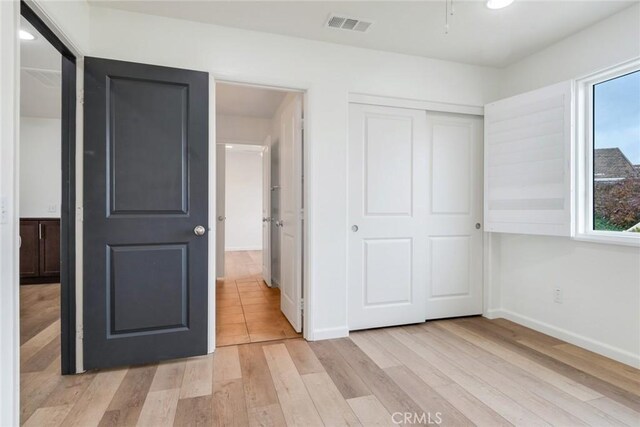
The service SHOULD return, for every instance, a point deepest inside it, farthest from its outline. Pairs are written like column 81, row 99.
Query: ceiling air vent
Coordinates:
column 348, row 23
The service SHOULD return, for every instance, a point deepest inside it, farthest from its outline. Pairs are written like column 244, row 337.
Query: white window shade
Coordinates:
column 528, row 150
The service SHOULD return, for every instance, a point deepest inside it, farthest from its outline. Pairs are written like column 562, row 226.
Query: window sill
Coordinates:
column 607, row 239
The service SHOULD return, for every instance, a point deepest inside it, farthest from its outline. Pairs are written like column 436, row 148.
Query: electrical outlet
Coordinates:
column 53, row 208
column 557, row 296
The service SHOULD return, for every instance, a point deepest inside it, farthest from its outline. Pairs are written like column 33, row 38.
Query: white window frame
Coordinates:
column 584, row 158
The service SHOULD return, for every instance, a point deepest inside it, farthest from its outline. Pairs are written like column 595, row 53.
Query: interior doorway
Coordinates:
column 47, row 203
column 259, row 204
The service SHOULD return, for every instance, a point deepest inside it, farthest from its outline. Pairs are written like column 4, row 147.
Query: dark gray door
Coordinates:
column 145, row 192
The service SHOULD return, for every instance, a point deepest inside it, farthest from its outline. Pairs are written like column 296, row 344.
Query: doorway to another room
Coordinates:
column 259, row 208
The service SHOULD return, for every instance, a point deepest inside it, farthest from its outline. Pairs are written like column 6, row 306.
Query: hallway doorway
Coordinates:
column 247, row 309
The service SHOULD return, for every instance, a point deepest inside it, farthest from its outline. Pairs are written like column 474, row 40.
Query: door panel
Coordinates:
column 290, row 208
column 387, row 261
column 454, row 244
column 388, row 167
column 221, row 161
column 146, row 125
column 451, row 172
column 266, row 212
column 50, row 248
column 145, row 191
column 387, row 206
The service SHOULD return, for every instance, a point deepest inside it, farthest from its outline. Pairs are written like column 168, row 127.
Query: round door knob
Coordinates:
column 354, row 228
column 477, row 226
column 221, row 218
column 199, row 230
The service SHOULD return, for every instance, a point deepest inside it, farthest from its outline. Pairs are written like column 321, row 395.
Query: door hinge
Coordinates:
column 81, row 97
column 301, row 304
column 80, row 332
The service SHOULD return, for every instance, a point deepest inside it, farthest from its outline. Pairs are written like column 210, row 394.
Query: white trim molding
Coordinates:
column 607, row 350
column 416, row 104
column 212, row 237
column 328, row 333
column 9, row 217
column 583, row 229
column 243, row 248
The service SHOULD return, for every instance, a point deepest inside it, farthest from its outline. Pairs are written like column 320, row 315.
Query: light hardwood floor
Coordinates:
column 247, row 310
column 462, row 371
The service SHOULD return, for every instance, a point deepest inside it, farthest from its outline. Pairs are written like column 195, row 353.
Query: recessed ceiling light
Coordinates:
column 498, row 4
column 26, row 35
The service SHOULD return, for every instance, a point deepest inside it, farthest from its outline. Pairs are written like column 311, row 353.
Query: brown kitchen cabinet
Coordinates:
column 39, row 250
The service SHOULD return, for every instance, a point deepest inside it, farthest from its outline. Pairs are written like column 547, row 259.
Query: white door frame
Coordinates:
column 302, row 89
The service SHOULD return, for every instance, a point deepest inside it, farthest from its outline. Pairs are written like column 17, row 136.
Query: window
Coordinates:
column 608, row 155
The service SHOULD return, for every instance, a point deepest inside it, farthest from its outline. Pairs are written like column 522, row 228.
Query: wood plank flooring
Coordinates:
column 247, row 310
column 468, row 371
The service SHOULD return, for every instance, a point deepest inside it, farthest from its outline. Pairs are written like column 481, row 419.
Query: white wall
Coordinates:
column 40, row 167
column 329, row 73
column 242, row 129
column 600, row 283
column 243, row 200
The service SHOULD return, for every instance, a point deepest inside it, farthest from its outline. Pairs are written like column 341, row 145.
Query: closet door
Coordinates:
column 454, row 220
column 387, row 210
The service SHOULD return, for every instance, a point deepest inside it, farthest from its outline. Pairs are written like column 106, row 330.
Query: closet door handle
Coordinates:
column 40, row 230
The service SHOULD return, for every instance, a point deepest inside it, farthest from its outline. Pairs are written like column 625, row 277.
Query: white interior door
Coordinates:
column 387, row 209
column 454, row 222
column 220, row 209
column 266, row 211
column 290, row 208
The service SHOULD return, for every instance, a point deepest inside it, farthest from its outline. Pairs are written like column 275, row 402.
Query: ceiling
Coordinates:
column 40, row 78
column 239, row 100
column 477, row 34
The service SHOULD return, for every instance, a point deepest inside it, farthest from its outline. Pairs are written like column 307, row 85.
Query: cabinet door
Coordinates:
column 50, row 248
column 29, row 248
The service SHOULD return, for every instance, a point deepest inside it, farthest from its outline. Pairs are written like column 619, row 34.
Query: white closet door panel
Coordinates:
column 454, row 244
column 388, row 167
column 387, row 262
column 451, row 174
column 388, row 164
column 450, row 266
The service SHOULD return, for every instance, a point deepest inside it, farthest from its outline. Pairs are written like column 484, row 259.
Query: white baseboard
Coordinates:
column 330, row 333
column 243, row 248
column 493, row 314
column 604, row 349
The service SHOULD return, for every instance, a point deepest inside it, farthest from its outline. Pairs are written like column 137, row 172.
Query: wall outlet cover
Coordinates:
column 557, row 295
column 4, row 210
